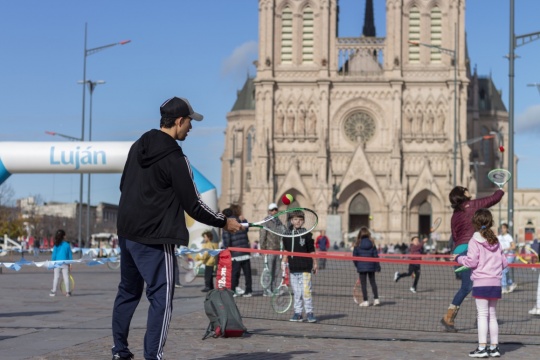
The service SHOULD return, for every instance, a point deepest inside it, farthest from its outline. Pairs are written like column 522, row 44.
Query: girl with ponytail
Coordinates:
column 61, row 251
column 487, row 261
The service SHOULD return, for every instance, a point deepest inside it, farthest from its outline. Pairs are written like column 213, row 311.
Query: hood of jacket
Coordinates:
column 366, row 244
column 490, row 247
column 153, row 146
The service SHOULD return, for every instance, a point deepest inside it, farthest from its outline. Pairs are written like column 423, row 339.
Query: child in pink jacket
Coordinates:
column 487, row 261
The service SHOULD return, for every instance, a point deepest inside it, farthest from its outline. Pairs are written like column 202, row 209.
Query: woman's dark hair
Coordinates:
column 457, row 197
column 363, row 233
column 59, row 237
column 482, row 222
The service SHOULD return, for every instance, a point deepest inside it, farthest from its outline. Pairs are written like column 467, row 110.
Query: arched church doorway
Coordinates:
column 424, row 219
column 358, row 213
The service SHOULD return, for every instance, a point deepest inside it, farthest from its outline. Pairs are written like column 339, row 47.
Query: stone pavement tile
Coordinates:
column 300, row 341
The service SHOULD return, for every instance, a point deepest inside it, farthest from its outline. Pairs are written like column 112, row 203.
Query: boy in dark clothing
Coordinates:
column 416, row 248
column 241, row 261
column 300, row 267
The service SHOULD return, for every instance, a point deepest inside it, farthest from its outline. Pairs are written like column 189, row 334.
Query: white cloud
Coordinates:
column 241, row 59
column 528, row 121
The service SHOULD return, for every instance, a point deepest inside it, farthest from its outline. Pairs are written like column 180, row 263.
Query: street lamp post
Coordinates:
column 454, row 56
column 91, row 86
column 88, row 52
column 515, row 41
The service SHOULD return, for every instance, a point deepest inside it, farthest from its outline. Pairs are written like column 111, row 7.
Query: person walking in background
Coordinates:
column 240, row 260
column 365, row 247
column 36, row 247
column 271, row 241
column 508, row 247
column 61, row 251
column 322, row 243
column 416, row 248
column 157, row 188
column 301, row 268
column 208, row 260
column 486, row 260
column 462, row 231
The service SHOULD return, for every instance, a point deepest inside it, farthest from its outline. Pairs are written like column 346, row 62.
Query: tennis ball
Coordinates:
column 370, row 217
column 287, row 199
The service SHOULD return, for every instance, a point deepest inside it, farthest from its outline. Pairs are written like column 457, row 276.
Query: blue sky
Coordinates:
column 181, row 48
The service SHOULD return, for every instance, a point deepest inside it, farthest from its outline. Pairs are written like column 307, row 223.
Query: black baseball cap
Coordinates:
column 176, row 107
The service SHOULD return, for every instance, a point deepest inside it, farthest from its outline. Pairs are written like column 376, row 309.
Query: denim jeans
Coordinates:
column 465, row 289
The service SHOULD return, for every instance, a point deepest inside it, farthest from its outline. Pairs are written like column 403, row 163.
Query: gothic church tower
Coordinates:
column 368, row 122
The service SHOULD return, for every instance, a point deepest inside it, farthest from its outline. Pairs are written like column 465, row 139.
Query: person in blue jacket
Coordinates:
column 61, row 251
column 365, row 247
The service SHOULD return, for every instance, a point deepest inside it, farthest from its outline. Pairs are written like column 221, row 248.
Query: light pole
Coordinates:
column 91, row 86
column 88, row 52
column 454, row 56
column 515, row 41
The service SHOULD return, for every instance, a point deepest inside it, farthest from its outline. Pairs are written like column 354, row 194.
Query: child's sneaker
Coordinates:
column 297, row 318
column 364, row 304
column 376, row 302
column 413, row 290
column 311, row 318
column 534, row 311
column 479, row 353
column 68, row 294
column 52, row 293
column 494, row 352
column 239, row 290
column 396, row 276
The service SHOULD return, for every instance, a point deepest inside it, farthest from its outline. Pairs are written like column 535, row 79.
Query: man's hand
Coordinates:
column 232, row 225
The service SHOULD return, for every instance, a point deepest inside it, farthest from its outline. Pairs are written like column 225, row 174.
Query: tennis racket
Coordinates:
column 280, row 223
column 357, row 292
column 530, row 257
column 435, row 224
column 266, row 276
column 282, row 296
column 461, row 268
column 187, row 262
column 499, row 177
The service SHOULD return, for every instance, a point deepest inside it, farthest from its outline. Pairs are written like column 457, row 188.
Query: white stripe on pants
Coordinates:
column 301, row 284
column 487, row 315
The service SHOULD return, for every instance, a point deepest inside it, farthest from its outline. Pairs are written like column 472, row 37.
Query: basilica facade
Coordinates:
column 377, row 130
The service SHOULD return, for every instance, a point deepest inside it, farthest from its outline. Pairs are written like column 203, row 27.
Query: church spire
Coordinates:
column 369, row 21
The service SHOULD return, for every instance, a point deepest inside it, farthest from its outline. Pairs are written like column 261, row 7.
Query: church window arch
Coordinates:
column 307, row 35
column 286, row 35
column 436, row 34
column 414, row 35
column 359, row 212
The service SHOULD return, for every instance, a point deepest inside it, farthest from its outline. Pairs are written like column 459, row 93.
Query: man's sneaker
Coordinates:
column 247, row 295
column 297, row 318
column 311, row 318
column 239, row 290
column 396, row 276
column 505, row 290
column 413, row 290
column 178, row 285
column 534, row 311
column 52, row 293
column 364, row 304
column 494, row 352
column 376, row 302
column 118, row 357
column 512, row 287
column 479, row 353
column 206, row 289
column 235, row 295
column 68, row 294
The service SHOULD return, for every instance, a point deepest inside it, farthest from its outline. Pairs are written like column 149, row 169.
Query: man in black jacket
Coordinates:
column 157, row 188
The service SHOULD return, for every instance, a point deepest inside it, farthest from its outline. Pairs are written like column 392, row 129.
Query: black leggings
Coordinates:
column 413, row 269
column 363, row 282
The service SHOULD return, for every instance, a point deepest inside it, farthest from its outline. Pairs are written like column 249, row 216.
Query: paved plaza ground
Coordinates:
column 36, row 326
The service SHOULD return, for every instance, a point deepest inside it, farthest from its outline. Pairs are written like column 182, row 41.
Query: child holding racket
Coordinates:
column 365, row 247
column 301, row 268
column 486, row 260
column 416, row 248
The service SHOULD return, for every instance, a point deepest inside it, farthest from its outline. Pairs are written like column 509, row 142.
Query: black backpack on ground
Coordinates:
column 225, row 319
